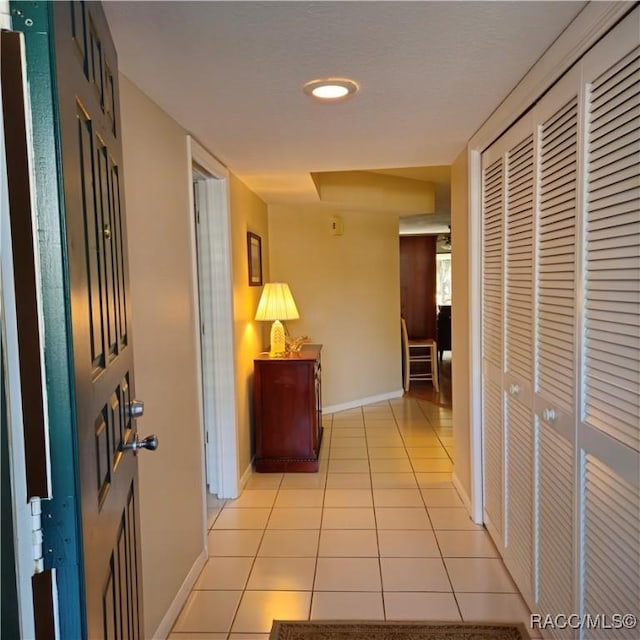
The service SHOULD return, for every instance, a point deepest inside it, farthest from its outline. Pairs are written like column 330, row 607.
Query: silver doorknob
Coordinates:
column 150, row 442
column 135, row 409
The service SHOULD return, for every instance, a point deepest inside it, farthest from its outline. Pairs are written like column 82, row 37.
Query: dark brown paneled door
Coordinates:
column 87, row 79
column 418, row 285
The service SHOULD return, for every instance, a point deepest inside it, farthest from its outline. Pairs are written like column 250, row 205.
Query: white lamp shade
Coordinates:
column 276, row 303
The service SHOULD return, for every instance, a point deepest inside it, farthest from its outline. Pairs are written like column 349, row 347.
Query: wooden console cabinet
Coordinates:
column 288, row 411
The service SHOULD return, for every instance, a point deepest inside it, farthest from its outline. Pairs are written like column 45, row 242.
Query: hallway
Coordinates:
column 378, row 533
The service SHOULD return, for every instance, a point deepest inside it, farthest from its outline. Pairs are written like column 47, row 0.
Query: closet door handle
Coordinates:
column 549, row 415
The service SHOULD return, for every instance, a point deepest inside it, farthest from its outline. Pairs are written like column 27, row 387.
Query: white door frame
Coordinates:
column 218, row 401
column 587, row 28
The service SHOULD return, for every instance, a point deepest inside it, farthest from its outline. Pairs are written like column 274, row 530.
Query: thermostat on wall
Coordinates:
column 337, row 226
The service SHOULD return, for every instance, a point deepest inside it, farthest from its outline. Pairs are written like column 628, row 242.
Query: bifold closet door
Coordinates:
column 561, row 340
column 518, row 341
column 492, row 340
column 530, row 346
column 556, row 346
column 608, row 427
column 508, row 201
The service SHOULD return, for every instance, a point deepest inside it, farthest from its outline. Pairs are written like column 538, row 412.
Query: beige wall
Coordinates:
column 248, row 213
column 160, row 265
column 164, row 316
column 460, row 366
column 347, row 289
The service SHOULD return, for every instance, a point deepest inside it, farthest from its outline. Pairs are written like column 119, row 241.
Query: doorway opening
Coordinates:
column 425, row 298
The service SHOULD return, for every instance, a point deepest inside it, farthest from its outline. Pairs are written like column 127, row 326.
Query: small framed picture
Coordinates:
column 254, row 253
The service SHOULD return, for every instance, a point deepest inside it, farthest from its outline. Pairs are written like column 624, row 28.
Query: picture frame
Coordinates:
column 254, row 257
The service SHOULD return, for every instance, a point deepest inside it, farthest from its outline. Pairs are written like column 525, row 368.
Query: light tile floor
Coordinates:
column 378, row 533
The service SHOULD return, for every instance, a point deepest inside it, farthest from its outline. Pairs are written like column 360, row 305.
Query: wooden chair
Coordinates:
column 424, row 354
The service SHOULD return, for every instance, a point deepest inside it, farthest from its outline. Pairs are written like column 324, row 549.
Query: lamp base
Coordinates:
column 277, row 349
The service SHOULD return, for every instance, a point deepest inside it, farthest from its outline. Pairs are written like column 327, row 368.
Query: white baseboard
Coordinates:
column 169, row 619
column 352, row 404
column 244, row 478
column 463, row 494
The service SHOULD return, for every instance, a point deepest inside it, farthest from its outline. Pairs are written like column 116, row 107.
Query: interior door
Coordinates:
column 206, row 297
column 87, row 80
column 418, row 285
column 493, row 443
column 556, row 280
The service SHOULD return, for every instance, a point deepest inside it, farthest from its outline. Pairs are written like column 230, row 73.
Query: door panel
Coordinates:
column 492, row 262
column 556, row 268
column 103, row 362
column 519, row 195
column 418, row 285
column 519, row 261
column 554, row 542
column 493, row 345
column 519, row 462
column 611, row 564
column 493, row 457
column 612, row 295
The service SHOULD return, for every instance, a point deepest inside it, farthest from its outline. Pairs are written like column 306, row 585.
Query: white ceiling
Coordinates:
column 430, row 73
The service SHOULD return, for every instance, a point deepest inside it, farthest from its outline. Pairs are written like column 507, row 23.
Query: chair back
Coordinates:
column 405, row 344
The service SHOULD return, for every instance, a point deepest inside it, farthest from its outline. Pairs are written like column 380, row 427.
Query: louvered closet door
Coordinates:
column 507, row 345
column 492, row 339
column 556, row 347
column 609, row 431
column 571, row 418
column 518, row 338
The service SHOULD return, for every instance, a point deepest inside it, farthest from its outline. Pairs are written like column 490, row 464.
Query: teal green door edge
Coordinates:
column 63, row 528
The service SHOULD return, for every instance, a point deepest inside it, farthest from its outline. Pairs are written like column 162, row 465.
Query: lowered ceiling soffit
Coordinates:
column 367, row 190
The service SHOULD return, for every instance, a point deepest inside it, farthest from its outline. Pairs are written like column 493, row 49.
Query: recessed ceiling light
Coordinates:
column 331, row 89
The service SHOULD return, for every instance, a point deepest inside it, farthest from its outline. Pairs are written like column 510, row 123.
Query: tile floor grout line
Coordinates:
column 253, row 563
column 375, row 522
column 324, row 497
column 444, row 564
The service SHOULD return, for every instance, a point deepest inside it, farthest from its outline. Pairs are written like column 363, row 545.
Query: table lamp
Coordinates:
column 276, row 303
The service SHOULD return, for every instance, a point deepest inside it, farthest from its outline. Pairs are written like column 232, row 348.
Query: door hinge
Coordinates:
column 58, row 527
column 37, row 535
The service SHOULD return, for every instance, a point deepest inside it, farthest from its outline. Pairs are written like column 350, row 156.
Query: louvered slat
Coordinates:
column 612, row 284
column 492, row 455
column 492, row 207
column 611, row 513
column 519, row 498
column 519, row 259
column 556, row 254
column 554, row 511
